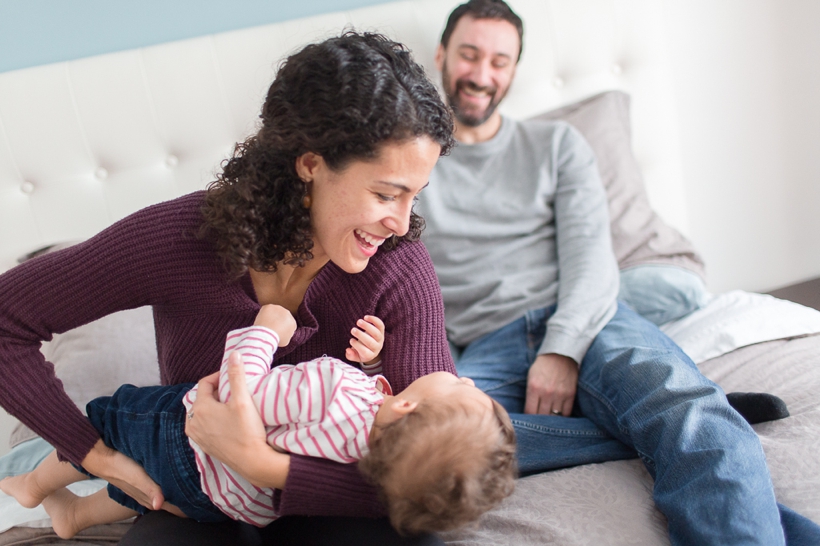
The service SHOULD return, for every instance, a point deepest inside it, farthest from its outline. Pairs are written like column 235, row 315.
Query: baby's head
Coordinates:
column 445, row 456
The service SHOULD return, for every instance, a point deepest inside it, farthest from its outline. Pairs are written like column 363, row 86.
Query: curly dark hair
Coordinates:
column 342, row 99
column 484, row 9
column 443, row 465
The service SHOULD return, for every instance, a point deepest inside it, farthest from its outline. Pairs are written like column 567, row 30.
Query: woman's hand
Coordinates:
column 233, row 432
column 125, row 473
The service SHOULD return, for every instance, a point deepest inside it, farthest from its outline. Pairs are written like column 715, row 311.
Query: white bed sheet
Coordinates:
column 14, row 515
column 738, row 319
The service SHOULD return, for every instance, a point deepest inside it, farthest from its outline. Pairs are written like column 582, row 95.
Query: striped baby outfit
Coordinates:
column 321, row 408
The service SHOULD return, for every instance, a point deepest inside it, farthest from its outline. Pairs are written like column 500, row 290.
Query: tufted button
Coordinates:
column 558, row 82
column 171, row 161
column 616, row 69
column 101, row 173
column 27, row 187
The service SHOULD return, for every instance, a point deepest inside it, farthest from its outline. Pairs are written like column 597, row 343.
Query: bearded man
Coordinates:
column 518, row 230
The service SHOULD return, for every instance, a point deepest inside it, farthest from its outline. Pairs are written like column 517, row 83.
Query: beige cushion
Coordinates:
column 639, row 235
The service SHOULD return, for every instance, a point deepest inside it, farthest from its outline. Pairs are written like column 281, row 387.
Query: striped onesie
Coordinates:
column 321, row 408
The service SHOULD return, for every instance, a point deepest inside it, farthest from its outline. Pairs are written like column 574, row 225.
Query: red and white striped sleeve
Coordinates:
column 257, row 345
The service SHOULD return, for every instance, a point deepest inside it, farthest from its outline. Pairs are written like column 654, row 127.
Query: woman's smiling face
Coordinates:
column 354, row 210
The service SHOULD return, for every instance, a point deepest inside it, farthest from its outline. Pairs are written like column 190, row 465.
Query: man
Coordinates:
column 518, row 230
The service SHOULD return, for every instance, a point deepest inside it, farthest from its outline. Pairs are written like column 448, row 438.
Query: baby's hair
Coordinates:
column 443, row 465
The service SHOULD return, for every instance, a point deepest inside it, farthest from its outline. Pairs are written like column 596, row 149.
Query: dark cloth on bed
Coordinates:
column 161, row 528
column 153, row 257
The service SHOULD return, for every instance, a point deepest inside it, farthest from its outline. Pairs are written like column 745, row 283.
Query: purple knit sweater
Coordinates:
column 153, row 258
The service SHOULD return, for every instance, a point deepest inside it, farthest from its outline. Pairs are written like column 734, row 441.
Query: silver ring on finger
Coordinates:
column 556, row 412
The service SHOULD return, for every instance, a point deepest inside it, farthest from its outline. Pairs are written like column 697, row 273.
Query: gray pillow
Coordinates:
column 639, row 235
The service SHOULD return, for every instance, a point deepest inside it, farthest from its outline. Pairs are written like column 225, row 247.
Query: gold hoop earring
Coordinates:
column 307, row 201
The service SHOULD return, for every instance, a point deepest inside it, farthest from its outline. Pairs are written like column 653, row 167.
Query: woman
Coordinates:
column 312, row 213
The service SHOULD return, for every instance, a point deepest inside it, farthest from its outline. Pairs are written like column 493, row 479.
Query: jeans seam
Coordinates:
column 181, row 466
column 557, row 431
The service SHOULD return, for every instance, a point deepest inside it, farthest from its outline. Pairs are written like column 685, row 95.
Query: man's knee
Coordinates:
column 660, row 378
column 662, row 293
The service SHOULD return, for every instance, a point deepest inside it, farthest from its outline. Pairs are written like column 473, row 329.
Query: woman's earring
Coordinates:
column 306, row 200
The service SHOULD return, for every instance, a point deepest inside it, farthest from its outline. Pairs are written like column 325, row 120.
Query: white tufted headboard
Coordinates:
column 86, row 142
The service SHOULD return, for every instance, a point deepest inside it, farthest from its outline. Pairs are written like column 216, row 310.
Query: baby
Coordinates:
column 441, row 452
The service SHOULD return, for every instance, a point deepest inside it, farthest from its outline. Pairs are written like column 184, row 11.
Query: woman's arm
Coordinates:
column 234, row 434
column 52, row 294
column 413, row 313
column 123, row 472
column 120, row 268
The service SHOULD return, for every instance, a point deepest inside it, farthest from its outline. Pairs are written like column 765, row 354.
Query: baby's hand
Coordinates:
column 367, row 342
column 278, row 319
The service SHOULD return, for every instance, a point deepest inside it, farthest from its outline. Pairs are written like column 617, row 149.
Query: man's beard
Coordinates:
column 454, row 99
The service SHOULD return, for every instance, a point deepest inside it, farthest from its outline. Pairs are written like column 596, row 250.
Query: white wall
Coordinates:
column 748, row 82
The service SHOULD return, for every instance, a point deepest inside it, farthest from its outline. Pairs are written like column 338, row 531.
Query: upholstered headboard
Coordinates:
column 86, row 142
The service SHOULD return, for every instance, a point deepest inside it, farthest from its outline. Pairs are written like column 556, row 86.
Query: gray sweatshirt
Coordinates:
column 520, row 222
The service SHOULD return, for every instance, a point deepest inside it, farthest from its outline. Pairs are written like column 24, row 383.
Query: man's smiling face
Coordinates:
column 477, row 67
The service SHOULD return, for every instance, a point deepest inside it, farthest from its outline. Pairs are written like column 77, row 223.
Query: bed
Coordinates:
column 125, row 130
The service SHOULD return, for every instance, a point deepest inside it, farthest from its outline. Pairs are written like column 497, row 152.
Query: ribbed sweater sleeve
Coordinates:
column 115, row 270
column 401, row 288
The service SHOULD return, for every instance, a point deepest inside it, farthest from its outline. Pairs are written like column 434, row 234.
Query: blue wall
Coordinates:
column 34, row 32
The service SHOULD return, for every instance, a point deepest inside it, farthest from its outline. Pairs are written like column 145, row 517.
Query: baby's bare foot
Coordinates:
column 61, row 506
column 24, row 489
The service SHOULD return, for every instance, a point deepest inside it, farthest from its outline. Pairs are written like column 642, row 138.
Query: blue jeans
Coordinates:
column 639, row 395
column 148, row 425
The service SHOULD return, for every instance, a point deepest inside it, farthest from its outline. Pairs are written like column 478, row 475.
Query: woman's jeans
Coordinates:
column 639, row 395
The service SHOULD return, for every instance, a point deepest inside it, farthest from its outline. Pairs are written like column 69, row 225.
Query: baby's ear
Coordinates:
column 402, row 406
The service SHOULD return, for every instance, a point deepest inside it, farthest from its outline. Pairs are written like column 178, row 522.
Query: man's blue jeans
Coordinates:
column 639, row 395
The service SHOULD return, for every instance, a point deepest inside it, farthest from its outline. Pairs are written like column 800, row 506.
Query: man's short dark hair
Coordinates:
column 484, row 9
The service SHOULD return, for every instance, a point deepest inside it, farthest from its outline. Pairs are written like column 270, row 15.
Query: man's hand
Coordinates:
column 551, row 385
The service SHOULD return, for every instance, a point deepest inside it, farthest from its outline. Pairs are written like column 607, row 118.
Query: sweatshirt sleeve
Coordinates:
column 54, row 293
column 587, row 270
column 409, row 303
